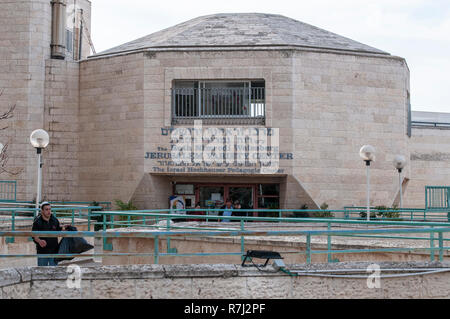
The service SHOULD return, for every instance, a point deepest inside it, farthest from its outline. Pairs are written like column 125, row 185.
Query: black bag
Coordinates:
column 73, row 245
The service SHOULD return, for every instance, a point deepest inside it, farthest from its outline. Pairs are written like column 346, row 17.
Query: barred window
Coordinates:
column 215, row 101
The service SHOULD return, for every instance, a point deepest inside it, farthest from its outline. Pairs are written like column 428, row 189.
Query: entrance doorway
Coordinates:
column 214, row 195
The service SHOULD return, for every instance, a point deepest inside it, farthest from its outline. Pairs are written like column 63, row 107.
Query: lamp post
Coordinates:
column 39, row 139
column 367, row 153
column 399, row 164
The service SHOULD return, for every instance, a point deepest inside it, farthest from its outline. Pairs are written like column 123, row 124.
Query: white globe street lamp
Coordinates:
column 39, row 139
column 399, row 163
column 367, row 153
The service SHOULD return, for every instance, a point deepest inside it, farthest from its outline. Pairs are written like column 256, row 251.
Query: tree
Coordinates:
column 4, row 147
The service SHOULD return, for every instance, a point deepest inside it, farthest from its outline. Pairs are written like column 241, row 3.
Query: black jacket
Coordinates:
column 40, row 224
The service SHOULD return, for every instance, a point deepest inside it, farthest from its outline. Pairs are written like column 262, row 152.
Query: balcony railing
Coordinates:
column 218, row 105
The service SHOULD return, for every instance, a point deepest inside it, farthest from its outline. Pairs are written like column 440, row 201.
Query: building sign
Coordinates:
column 219, row 150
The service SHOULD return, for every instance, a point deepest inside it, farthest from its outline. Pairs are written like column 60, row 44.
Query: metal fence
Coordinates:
column 218, row 105
column 437, row 197
column 432, row 232
column 8, row 191
column 111, row 223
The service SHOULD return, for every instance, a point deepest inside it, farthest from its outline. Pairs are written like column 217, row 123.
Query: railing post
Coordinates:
column 73, row 216
column 89, row 219
column 441, row 245
column 308, row 248
column 168, row 237
column 242, row 240
column 10, row 240
column 104, row 230
column 156, row 255
column 431, row 246
column 329, row 243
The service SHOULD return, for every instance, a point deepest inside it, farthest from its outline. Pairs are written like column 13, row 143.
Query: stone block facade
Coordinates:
column 105, row 113
column 220, row 281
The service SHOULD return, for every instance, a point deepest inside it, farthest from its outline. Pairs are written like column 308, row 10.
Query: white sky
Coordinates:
column 418, row 30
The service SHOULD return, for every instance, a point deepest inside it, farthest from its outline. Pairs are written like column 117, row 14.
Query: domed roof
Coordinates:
column 243, row 30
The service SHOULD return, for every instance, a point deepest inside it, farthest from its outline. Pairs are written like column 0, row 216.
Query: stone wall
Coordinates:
column 218, row 281
column 326, row 105
column 45, row 93
column 429, row 163
column 342, row 102
column 25, row 30
column 62, row 122
column 111, row 125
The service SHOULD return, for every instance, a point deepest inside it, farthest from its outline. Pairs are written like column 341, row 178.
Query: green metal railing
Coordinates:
column 15, row 215
column 110, row 222
column 8, row 191
column 150, row 218
column 430, row 232
column 437, row 197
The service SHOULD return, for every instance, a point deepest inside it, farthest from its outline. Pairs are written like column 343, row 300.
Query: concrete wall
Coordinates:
column 211, row 245
column 217, row 281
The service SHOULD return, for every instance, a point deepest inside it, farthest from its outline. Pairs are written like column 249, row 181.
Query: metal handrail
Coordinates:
column 157, row 235
column 148, row 218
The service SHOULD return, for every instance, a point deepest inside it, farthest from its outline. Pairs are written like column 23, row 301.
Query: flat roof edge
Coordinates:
column 246, row 48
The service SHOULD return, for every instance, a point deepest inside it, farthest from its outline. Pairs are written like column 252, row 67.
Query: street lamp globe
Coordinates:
column 367, row 153
column 39, row 139
column 399, row 162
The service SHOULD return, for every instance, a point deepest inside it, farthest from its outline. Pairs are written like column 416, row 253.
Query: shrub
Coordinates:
column 302, row 214
column 388, row 213
column 324, row 214
column 383, row 212
column 122, row 206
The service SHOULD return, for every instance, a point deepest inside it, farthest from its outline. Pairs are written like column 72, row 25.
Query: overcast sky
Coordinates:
column 418, row 30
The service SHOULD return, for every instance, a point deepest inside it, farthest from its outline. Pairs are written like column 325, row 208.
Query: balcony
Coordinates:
column 219, row 105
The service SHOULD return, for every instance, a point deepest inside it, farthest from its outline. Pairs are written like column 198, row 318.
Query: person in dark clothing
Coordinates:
column 46, row 245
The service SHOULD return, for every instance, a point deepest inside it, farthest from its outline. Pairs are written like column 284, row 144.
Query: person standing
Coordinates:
column 45, row 221
column 228, row 210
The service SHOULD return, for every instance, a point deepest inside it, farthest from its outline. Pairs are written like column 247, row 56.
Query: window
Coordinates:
column 269, row 196
column 69, row 40
column 216, row 101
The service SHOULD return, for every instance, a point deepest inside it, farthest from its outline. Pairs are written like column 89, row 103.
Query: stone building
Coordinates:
column 110, row 115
